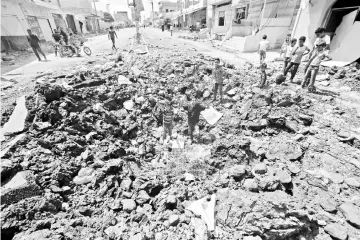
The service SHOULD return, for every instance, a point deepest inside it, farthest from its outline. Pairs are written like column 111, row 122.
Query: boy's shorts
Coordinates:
column 262, row 53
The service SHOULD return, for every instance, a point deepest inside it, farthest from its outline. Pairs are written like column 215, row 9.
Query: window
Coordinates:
column 167, row 10
column 171, row 10
column 222, row 18
column 240, row 14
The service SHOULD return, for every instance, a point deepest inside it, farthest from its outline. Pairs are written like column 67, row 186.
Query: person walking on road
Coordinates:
column 112, row 35
column 57, row 37
column 171, row 29
column 162, row 27
column 34, row 44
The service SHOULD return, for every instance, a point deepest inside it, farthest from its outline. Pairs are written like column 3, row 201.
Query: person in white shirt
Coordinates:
column 263, row 46
column 288, row 53
column 321, row 36
column 171, row 29
column 297, row 54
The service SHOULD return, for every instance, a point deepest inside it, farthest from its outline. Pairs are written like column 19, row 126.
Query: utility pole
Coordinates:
column 97, row 21
column 136, row 23
column 152, row 10
column 262, row 15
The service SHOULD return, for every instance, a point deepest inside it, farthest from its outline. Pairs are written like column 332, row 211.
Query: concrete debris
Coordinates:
column 265, row 163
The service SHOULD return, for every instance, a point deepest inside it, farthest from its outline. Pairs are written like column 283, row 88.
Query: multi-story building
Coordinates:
column 121, row 17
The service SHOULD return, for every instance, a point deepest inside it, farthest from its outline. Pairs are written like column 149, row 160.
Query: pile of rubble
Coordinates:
column 280, row 163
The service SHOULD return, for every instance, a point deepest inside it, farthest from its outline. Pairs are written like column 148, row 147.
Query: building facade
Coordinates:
column 19, row 15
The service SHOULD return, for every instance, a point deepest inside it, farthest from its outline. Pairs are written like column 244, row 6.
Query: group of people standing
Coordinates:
column 293, row 51
column 190, row 104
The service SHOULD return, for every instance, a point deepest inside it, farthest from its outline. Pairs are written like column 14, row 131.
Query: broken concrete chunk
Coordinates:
column 128, row 205
column 16, row 121
column 351, row 213
column 336, row 231
column 206, row 209
column 19, row 187
column 260, row 168
column 211, row 115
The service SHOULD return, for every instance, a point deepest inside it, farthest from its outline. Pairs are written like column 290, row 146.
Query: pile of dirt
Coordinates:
column 280, row 163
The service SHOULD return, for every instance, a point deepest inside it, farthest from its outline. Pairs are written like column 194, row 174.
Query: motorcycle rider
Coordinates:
column 74, row 43
column 57, row 38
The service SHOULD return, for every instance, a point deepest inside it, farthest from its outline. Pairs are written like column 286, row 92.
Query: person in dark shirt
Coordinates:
column 57, row 37
column 34, row 44
column 65, row 36
column 112, row 35
column 194, row 109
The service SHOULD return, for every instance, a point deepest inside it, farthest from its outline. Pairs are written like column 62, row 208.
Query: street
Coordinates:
column 141, row 147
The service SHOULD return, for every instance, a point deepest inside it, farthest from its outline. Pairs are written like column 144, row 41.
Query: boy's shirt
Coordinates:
column 263, row 45
column 168, row 115
column 57, row 37
column 112, row 34
column 289, row 51
column 218, row 75
column 194, row 109
column 326, row 38
column 319, row 57
column 33, row 40
column 299, row 52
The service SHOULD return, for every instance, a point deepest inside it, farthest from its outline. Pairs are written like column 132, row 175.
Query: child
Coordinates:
column 288, row 53
column 285, row 44
column 263, row 46
column 194, row 109
column 297, row 54
column 111, row 36
column 263, row 67
column 312, row 68
column 218, row 75
column 168, row 119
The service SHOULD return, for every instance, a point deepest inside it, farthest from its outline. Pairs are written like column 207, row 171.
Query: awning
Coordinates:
column 46, row 5
column 194, row 10
column 221, row 2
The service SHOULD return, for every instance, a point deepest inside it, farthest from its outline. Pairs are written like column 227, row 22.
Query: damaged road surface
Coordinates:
column 88, row 163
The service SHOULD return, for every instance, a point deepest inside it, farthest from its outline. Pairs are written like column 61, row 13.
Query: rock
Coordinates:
column 336, row 178
column 336, row 231
column 84, row 176
column 16, row 122
column 293, row 168
column 189, row 177
column 126, row 184
column 328, row 205
column 351, row 213
column 251, row 184
column 206, row 94
column 19, row 187
column 174, row 220
column 269, row 183
column 85, row 211
column 280, row 79
column 128, row 205
column 237, row 171
column 284, row 176
column 114, row 232
column 8, row 58
column 252, row 238
column 142, row 197
column 352, row 182
column 260, row 168
column 116, row 205
column 343, row 134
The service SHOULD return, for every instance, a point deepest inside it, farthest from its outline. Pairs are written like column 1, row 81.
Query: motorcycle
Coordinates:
column 69, row 50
